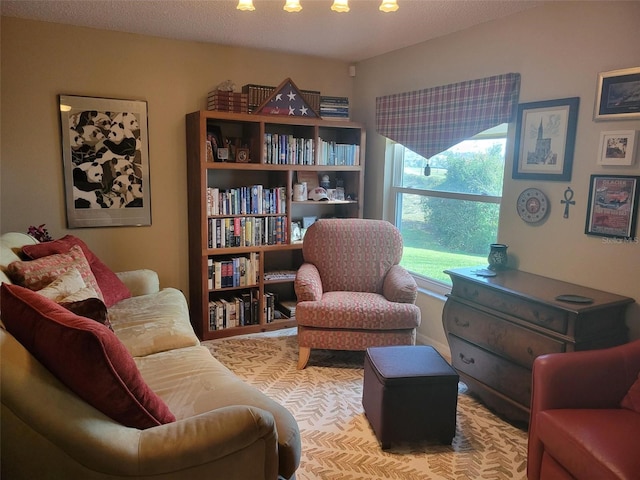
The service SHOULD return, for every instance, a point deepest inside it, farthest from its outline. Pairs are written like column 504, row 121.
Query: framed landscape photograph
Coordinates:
column 618, row 95
column 105, row 154
column 545, row 139
column 613, row 206
column 617, row 148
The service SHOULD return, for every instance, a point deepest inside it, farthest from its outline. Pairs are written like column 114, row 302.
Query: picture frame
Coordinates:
column 214, row 136
column 105, row 154
column 617, row 148
column 618, row 95
column 613, row 206
column 545, row 139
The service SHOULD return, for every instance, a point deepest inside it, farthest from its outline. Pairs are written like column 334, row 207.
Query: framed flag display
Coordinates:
column 286, row 100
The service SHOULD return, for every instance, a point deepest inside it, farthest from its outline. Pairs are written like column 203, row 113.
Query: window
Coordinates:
column 449, row 217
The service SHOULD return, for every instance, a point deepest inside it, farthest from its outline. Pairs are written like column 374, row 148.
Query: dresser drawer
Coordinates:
column 512, row 380
column 497, row 335
column 527, row 310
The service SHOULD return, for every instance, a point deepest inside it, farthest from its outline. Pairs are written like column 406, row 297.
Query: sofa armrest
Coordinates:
column 308, row 285
column 399, row 286
column 140, row 282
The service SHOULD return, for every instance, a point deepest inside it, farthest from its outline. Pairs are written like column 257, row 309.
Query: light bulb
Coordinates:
column 246, row 5
column 388, row 6
column 340, row 6
column 292, row 6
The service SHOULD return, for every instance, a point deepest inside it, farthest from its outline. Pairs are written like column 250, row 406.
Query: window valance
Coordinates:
column 432, row 120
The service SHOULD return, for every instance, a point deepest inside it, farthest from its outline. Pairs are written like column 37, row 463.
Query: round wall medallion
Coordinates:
column 533, row 205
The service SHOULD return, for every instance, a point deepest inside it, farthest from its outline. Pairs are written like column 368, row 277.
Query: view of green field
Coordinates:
column 419, row 254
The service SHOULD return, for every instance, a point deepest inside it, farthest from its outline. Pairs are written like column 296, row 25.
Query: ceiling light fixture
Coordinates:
column 246, row 5
column 388, row 6
column 292, row 6
column 340, row 6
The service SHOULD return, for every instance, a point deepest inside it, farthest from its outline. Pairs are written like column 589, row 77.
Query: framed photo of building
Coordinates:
column 617, row 148
column 105, row 154
column 613, row 206
column 545, row 139
column 618, row 95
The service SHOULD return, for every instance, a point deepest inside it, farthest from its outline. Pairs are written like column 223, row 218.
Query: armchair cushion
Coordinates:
column 357, row 311
column 308, row 284
column 85, row 355
column 112, row 288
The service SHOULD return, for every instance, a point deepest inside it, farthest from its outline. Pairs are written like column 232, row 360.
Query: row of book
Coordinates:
column 283, row 149
column 254, row 199
column 334, row 108
column 241, row 271
column 247, row 231
column 241, row 310
column 332, row 153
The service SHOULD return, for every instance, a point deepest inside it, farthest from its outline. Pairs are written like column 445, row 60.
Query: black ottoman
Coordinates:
column 410, row 394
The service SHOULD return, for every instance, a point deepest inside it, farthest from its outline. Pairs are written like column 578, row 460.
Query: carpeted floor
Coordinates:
column 337, row 441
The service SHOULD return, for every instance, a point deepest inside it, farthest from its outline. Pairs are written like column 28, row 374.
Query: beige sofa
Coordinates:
column 224, row 428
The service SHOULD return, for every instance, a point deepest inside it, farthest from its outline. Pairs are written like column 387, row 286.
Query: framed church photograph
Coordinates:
column 545, row 139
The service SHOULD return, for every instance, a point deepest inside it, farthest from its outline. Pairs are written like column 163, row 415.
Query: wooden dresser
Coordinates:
column 496, row 327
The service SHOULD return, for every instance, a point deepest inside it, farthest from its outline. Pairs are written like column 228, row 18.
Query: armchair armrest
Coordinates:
column 399, row 286
column 140, row 282
column 578, row 380
column 308, row 285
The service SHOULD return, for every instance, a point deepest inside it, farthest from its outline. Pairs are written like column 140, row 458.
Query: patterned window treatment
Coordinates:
column 432, row 120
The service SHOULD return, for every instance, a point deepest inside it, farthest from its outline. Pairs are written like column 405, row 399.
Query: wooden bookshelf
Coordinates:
column 272, row 250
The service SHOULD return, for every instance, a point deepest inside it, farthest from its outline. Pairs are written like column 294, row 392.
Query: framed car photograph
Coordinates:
column 105, row 154
column 617, row 148
column 613, row 206
column 545, row 139
column 618, row 95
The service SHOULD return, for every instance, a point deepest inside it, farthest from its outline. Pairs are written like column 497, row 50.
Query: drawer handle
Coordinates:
column 461, row 323
column 468, row 361
column 530, row 351
column 537, row 316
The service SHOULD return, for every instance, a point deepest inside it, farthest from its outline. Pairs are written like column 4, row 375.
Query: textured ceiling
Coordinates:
column 362, row 33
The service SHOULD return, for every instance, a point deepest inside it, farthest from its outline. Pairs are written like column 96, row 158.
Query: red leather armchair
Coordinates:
column 577, row 427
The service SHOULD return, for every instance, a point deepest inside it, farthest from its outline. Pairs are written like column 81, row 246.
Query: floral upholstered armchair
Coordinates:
column 352, row 292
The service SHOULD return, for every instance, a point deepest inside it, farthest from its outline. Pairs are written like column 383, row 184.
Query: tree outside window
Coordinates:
column 449, row 218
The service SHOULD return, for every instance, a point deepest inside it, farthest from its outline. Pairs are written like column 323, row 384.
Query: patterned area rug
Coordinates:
column 337, row 441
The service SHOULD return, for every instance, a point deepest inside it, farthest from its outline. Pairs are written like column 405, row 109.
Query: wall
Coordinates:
column 558, row 49
column 41, row 60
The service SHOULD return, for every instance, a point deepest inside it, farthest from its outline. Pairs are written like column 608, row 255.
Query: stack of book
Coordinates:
column 227, row 101
column 333, row 108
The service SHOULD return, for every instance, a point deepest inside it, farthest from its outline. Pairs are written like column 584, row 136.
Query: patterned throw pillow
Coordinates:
column 111, row 287
column 87, row 357
column 37, row 274
column 66, row 284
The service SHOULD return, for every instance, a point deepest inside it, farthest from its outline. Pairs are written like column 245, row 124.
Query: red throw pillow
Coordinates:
column 113, row 290
column 85, row 355
column 632, row 399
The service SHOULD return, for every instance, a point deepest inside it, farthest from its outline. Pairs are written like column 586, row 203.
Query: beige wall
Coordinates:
column 42, row 60
column 558, row 49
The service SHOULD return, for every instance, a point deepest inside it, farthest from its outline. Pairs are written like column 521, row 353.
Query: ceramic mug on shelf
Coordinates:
column 300, row 192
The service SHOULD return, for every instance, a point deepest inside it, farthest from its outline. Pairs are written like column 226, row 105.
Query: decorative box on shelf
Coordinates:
column 227, row 101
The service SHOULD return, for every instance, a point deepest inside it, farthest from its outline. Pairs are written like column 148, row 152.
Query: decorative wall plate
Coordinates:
column 533, row 205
